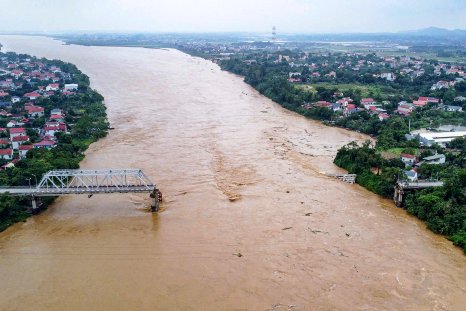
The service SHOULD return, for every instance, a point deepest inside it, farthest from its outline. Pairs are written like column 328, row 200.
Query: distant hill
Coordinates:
column 436, row 32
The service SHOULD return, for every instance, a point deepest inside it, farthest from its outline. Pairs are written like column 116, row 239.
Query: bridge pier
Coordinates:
column 156, row 197
column 34, row 203
column 398, row 196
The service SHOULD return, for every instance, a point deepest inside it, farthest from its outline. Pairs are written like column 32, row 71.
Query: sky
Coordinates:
column 289, row 16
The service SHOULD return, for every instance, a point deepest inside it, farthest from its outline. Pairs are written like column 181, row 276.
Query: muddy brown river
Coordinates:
column 240, row 175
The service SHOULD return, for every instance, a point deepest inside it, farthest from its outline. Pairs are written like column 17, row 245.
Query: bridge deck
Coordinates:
column 62, row 182
column 22, row 191
column 419, row 185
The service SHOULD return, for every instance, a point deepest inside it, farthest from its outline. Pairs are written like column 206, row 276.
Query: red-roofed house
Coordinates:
column 19, row 140
column 16, row 73
column 408, row 159
column 53, row 87
column 368, row 101
column 383, row 116
column 6, row 154
column 17, row 131
column 323, row 103
column 34, row 111
column 32, row 95
column 51, row 128
column 405, row 108
column 56, row 117
column 23, row 149
column 3, row 93
column 351, row 108
column 46, row 144
column 426, row 100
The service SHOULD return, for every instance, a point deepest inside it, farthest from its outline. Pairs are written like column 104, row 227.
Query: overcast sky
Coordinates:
column 304, row 16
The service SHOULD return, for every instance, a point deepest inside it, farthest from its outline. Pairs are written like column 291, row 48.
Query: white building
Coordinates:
column 71, row 87
column 441, row 138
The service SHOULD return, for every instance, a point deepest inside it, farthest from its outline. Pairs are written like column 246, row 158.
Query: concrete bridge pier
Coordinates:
column 156, row 197
column 398, row 196
column 36, row 204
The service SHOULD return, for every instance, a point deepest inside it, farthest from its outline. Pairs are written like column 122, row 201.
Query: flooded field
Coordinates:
column 249, row 221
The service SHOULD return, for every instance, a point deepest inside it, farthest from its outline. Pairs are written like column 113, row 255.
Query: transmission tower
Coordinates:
column 274, row 34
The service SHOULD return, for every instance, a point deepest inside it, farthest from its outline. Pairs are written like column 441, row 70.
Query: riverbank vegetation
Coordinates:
column 84, row 114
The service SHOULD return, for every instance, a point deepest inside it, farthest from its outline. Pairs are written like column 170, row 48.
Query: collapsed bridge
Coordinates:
column 90, row 182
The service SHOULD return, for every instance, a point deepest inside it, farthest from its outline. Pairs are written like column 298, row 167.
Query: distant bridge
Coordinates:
column 349, row 178
column 402, row 186
column 90, row 182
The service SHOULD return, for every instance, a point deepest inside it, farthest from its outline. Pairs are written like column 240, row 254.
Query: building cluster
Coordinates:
column 26, row 124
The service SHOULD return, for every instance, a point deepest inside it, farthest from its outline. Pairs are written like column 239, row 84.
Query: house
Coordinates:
column 4, row 142
column 57, row 118
column 6, row 154
column 71, row 87
column 452, row 108
column 371, row 106
column 422, row 101
column 51, row 128
column 411, row 175
column 344, row 101
column 17, row 73
column 3, row 93
column 19, row 140
column 404, row 108
column 56, row 111
column 34, row 111
column 15, row 99
column 383, row 116
column 17, row 131
column 389, row 76
column 12, row 123
column 45, row 144
column 435, row 159
column 335, row 107
column 408, row 159
column 23, row 150
column 442, row 85
column 32, row 95
column 368, row 101
column 323, row 103
column 351, row 108
column 53, row 87
column 9, row 165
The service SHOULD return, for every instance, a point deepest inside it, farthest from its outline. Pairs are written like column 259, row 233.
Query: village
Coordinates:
column 24, row 123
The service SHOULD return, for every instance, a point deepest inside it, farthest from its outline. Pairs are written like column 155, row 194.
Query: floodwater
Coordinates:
column 249, row 222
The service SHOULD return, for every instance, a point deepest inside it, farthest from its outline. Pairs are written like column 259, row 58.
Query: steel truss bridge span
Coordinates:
column 90, row 182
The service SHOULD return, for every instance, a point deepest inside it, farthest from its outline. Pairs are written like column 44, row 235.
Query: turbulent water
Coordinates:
column 249, row 221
